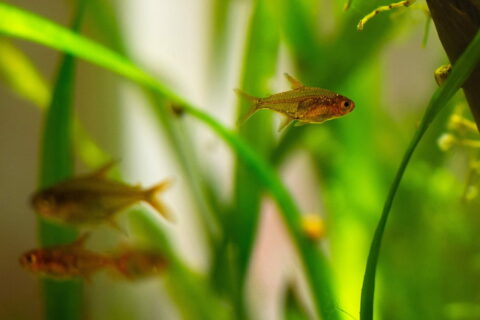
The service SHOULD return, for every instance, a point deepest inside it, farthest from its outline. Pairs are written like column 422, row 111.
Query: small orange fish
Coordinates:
column 134, row 264
column 305, row 104
column 66, row 261
column 92, row 199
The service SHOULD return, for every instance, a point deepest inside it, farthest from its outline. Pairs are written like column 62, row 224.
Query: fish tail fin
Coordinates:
column 151, row 196
column 255, row 103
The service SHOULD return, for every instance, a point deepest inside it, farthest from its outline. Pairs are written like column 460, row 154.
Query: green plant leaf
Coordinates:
column 260, row 60
column 460, row 72
column 62, row 300
column 18, row 23
column 21, row 76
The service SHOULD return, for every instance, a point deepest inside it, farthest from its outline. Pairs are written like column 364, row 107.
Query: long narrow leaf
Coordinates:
column 259, row 66
column 62, row 300
column 460, row 72
column 21, row 76
column 18, row 23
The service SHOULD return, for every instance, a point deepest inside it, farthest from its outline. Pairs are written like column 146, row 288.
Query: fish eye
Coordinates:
column 346, row 104
column 31, row 258
column 45, row 204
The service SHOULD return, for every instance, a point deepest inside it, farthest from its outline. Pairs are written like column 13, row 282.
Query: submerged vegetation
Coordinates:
column 332, row 211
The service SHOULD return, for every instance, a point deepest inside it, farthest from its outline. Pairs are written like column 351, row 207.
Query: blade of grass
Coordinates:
column 23, row 78
column 297, row 23
column 220, row 30
column 18, row 23
column 21, row 75
column 259, row 62
column 62, row 300
column 460, row 72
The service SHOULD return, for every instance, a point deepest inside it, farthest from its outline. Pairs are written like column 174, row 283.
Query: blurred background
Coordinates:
column 339, row 172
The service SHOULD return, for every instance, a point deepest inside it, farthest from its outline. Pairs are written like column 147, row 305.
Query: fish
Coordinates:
column 72, row 260
column 92, row 199
column 139, row 263
column 304, row 104
column 65, row 261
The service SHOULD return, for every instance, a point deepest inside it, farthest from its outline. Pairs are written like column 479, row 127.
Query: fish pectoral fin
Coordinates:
column 285, row 122
column 102, row 172
column 294, row 83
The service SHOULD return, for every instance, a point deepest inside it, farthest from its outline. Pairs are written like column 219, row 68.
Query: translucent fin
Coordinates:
column 294, row 83
column 111, row 221
column 102, row 172
column 80, row 242
column 151, row 196
column 255, row 101
column 285, row 122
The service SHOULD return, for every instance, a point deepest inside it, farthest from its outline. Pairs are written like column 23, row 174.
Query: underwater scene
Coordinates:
column 240, row 159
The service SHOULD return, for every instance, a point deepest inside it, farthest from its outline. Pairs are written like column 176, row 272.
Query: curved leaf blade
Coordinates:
column 62, row 300
column 460, row 72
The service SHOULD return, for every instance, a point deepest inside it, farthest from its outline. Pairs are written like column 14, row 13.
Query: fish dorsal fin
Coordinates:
column 101, row 173
column 295, row 84
column 285, row 122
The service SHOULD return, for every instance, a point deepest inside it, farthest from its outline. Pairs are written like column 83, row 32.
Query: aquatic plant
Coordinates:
column 352, row 161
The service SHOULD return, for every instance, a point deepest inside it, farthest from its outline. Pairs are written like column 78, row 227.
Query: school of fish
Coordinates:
column 89, row 200
column 92, row 199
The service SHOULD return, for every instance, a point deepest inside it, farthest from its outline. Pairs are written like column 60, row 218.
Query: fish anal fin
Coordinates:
column 294, row 83
column 151, row 196
column 285, row 122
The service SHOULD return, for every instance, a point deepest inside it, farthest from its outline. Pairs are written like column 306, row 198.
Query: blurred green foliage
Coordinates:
column 429, row 262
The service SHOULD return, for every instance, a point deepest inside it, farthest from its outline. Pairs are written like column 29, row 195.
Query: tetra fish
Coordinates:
column 65, row 261
column 135, row 263
column 93, row 198
column 305, row 104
